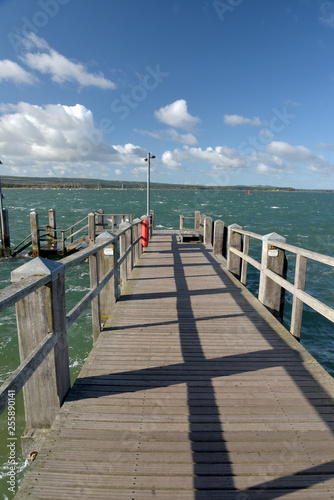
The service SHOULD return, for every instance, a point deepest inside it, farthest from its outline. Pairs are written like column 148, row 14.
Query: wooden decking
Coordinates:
column 193, row 391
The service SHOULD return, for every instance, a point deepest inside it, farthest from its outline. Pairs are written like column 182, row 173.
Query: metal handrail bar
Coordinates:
column 25, row 239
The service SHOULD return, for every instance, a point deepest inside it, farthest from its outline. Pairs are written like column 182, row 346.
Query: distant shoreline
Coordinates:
column 9, row 182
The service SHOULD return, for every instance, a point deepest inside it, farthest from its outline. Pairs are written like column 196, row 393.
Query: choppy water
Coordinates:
column 304, row 219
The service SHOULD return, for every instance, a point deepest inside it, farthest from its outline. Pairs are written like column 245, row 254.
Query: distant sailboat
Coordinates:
column 248, row 192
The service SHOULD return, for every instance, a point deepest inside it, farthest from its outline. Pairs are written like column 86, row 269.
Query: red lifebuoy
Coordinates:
column 144, row 233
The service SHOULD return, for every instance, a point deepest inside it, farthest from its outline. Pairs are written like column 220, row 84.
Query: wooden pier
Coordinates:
column 193, row 390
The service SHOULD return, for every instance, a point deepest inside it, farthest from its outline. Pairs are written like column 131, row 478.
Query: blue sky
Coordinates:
column 222, row 92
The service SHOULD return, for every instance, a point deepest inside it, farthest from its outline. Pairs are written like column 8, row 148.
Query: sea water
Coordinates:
column 305, row 219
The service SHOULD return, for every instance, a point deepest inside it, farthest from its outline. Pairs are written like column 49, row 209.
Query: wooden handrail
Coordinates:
column 24, row 288
column 300, row 297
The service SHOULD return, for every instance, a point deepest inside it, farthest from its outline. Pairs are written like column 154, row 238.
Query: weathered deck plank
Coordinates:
column 193, row 391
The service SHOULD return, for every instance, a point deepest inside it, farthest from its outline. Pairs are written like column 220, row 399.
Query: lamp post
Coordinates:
column 148, row 159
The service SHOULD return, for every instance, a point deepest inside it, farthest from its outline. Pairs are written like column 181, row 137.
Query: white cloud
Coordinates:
column 57, row 136
column 169, row 162
column 241, row 120
column 288, row 152
column 131, row 154
column 171, row 135
column 278, row 159
column 222, row 157
column 118, row 171
column 48, row 61
column 176, row 115
column 11, row 71
column 326, row 13
column 283, row 157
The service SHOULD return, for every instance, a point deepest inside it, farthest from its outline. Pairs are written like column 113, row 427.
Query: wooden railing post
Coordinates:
column 106, row 261
column 271, row 294
column 34, row 234
column 91, row 228
column 207, row 231
column 6, row 235
column 152, row 222
column 136, row 235
column 218, row 237
column 63, row 244
column 125, row 241
column 99, row 226
column 39, row 314
column 181, row 227
column 244, row 263
column 297, row 304
column 197, row 220
column 128, row 244
column 234, row 240
column 94, row 274
column 122, row 269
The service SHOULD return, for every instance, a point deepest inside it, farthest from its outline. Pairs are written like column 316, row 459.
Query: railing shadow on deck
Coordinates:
column 212, row 431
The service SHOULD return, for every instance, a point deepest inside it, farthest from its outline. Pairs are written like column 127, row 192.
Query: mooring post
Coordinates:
column 218, row 237
column 207, row 234
column 234, row 240
column 34, row 234
column 271, row 294
column 40, row 314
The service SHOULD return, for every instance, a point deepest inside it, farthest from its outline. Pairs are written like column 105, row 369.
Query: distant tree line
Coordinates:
column 75, row 183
